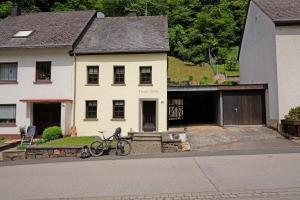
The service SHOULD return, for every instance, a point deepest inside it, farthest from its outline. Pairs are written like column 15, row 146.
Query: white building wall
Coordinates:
column 288, row 52
column 132, row 93
column 258, row 58
column 61, row 77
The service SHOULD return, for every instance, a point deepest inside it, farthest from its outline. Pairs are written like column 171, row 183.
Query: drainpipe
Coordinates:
column 74, row 103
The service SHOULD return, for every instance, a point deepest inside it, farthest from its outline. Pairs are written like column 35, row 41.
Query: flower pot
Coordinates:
column 292, row 128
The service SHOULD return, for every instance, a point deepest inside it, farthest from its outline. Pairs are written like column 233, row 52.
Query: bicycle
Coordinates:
column 123, row 147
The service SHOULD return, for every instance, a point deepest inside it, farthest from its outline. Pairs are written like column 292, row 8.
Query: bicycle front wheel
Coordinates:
column 123, row 148
column 97, row 148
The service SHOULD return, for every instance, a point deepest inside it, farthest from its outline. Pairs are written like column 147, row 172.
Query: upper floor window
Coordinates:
column 145, row 75
column 91, row 109
column 93, row 75
column 8, row 72
column 43, row 71
column 119, row 75
column 7, row 114
column 119, row 109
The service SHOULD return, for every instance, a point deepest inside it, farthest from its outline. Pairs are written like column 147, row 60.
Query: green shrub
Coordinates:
column 204, row 81
column 294, row 114
column 40, row 141
column 22, row 146
column 2, row 140
column 52, row 133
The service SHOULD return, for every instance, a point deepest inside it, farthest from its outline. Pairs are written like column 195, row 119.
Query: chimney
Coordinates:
column 15, row 10
column 132, row 13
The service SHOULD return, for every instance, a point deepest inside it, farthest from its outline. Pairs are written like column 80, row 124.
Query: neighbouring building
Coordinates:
column 37, row 70
column 121, row 76
column 270, row 52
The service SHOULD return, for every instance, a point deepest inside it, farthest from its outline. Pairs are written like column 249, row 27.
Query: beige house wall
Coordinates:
column 288, row 52
column 132, row 93
column 62, row 77
column 258, row 58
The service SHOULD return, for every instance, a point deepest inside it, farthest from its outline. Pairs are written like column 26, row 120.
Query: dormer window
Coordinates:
column 22, row 34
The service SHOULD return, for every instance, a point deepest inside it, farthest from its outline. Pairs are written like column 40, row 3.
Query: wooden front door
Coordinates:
column 46, row 115
column 244, row 108
column 149, row 116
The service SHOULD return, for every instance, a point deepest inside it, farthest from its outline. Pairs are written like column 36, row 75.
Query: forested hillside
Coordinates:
column 196, row 27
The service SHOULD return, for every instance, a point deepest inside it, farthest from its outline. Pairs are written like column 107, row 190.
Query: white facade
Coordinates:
column 269, row 55
column 131, row 92
column 26, row 89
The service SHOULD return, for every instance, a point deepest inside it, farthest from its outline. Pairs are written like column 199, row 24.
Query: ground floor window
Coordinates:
column 91, row 110
column 7, row 114
column 118, row 109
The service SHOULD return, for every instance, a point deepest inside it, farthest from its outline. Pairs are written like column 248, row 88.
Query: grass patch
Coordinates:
column 70, row 142
column 235, row 72
column 22, row 146
column 179, row 70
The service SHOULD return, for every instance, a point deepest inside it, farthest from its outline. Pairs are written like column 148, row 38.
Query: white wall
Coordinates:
column 288, row 54
column 132, row 93
column 258, row 58
column 61, row 77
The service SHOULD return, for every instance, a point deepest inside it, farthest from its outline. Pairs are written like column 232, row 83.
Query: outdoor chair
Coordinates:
column 28, row 137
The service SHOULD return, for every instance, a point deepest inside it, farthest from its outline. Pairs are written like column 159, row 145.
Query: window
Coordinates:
column 92, row 75
column 145, row 75
column 119, row 74
column 22, row 34
column 91, row 110
column 8, row 72
column 8, row 114
column 119, row 109
column 43, row 71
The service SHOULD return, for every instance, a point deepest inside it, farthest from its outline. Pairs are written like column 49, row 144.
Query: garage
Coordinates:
column 244, row 107
column 193, row 106
column 216, row 105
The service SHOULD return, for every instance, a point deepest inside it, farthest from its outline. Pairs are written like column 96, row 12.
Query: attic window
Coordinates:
column 22, row 34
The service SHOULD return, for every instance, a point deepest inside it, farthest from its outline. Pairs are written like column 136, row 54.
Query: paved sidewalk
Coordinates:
column 271, row 176
column 275, row 194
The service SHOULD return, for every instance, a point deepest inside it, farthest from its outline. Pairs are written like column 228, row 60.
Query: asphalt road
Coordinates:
column 270, row 176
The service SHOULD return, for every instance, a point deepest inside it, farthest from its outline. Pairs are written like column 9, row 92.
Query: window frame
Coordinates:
column 87, row 111
column 142, row 82
column 13, row 123
column 87, row 74
column 118, row 116
column 114, row 77
column 10, row 81
column 37, row 73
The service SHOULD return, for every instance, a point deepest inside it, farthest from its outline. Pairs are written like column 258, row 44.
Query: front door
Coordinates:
column 46, row 115
column 149, row 116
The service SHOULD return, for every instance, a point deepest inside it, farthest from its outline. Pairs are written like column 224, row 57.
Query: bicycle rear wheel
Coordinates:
column 123, row 148
column 97, row 148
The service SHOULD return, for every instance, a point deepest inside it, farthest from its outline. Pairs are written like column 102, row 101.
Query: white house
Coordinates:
column 270, row 52
column 121, row 76
column 37, row 70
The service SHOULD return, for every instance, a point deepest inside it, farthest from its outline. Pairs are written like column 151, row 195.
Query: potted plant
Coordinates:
column 22, row 130
column 291, row 123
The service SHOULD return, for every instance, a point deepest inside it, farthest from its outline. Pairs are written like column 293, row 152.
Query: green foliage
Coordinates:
column 5, row 8
column 40, row 141
column 22, row 146
column 294, row 114
column 70, row 142
column 2, row 140
column 195, row 26
column 230, row 83
column 52, row 133
column 204, row 81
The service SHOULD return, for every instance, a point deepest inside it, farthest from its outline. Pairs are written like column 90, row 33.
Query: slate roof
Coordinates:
column 50, row 29
column 136, row 34
column 281, row 11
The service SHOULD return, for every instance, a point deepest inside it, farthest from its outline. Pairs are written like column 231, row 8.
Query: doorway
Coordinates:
column 46, row 115
column 149, row 116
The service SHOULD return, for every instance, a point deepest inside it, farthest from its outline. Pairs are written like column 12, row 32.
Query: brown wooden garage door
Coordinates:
column 244, row 107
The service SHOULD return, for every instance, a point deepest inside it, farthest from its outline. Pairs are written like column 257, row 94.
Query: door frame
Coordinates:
column 141, row 100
